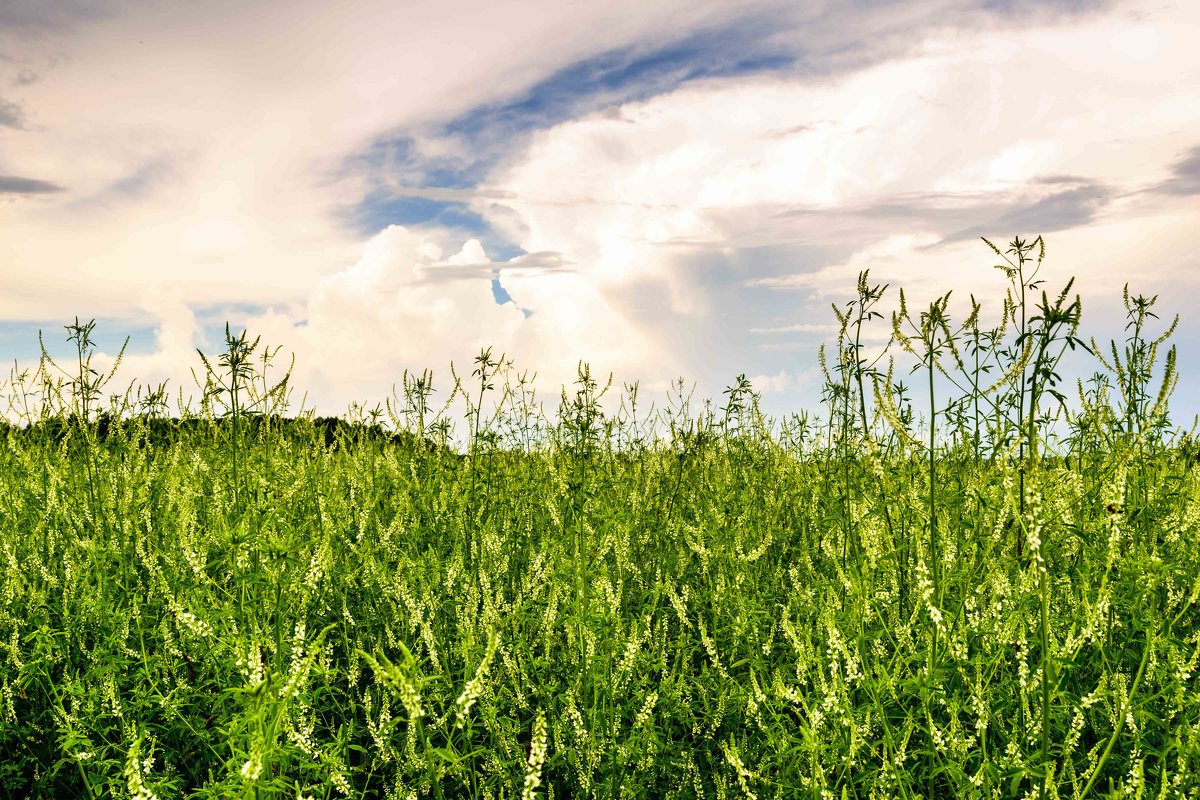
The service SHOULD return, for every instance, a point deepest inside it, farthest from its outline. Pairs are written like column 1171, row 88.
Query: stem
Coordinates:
column 933, row 533
column 1120, row 721
column 1046, row 670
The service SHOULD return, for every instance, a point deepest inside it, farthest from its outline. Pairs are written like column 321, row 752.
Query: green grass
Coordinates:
column 996, row 599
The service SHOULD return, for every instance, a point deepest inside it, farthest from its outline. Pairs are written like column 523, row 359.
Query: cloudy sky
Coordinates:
column 661, row 188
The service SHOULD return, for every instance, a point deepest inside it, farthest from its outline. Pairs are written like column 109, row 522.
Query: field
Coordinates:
column 987, row 591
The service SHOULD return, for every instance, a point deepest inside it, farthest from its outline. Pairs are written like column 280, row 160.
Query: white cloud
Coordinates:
column 403, row 306
column 783, row 381
column 200, row 145
column 211, row 181
column 800, row 327
column 970, row 120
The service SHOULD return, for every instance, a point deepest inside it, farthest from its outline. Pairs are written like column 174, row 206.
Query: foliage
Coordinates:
column 670, row 603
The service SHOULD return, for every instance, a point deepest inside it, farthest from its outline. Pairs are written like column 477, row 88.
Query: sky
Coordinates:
column 657, row 188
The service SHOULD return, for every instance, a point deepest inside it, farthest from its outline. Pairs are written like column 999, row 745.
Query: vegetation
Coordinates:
column 994, row 598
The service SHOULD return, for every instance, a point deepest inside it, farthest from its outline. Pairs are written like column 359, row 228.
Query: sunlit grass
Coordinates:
column 993, row 597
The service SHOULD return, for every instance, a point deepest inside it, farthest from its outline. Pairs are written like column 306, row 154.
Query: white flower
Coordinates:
column 474, row 687
column 538, row 746
column 252, row 769
column 647, row 708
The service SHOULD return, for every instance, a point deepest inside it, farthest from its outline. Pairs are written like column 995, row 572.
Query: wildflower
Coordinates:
column 537, row 757
column 926, row 587
column 647, row 708
column 301, row 663
column 198, row 627
column 743, row 775
column 399, row 682
column 252, row 769
column 10, row 708
column 252, row 668
column 474, row 687
column 133, row 773
column 316, row 567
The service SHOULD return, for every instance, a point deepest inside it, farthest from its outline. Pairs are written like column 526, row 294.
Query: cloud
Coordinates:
column 686, row 208
column 783, row 381
column 1071, row 208
column 1043, row 10
column 1185, row 176
column 641, row 199
column 172, row 359
column 224, row 120
column 25, row 77
column 12, row 184
column 799, row 327
column 1047, row 204
column 452, row 153
column 24, row 15
column 405, row 304
column 814, row 40
column 11, row 115
column 128, row 188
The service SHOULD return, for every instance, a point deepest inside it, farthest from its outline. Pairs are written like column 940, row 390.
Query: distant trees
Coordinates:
column 331, row 433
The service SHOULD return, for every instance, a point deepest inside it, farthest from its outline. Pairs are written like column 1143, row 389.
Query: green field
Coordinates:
column 987, row 591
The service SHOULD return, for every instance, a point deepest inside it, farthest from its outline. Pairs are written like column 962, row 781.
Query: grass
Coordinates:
column 997, row 600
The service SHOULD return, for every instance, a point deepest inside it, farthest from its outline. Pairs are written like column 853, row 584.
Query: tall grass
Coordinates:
column 685, row 601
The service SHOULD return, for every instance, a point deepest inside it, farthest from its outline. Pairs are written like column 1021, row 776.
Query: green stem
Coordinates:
column 1120, row 721
column 933, row 533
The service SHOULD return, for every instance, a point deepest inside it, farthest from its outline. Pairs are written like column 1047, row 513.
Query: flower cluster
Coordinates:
column 474, row 688
column 538, row 747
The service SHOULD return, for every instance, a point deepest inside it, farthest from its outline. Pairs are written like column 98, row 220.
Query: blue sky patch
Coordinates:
column 398, row 157
column 490, row 132
column 499, row 293
column 19, row 340
column 624, row 75
column 378, row 211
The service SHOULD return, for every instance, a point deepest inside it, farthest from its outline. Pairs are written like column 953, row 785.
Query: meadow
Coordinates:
column 987, row 588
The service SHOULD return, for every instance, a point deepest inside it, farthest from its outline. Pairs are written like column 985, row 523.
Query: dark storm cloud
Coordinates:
column 11, row 184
